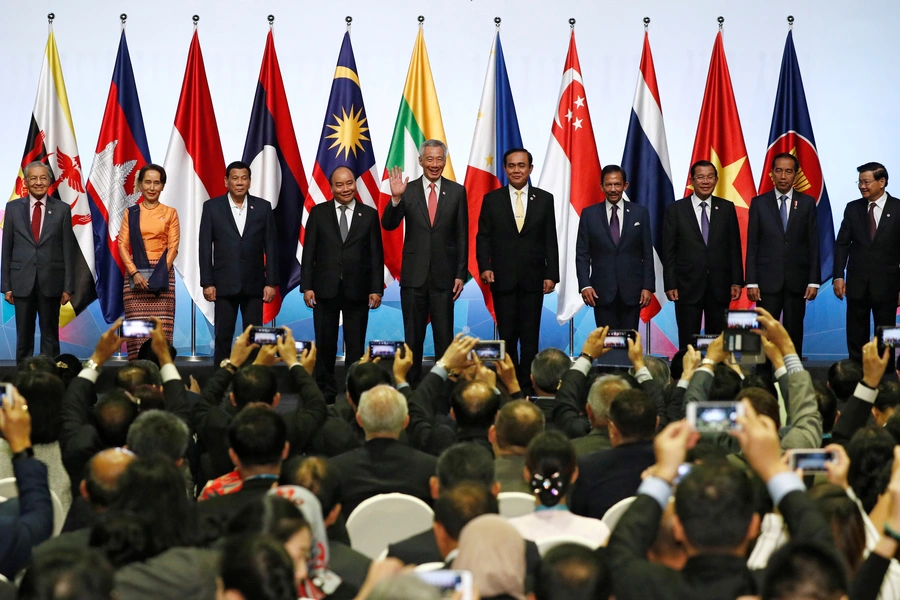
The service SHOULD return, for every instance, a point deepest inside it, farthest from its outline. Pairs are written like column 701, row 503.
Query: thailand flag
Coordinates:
column 112, row 185
column 496, row 131
column 273, row 155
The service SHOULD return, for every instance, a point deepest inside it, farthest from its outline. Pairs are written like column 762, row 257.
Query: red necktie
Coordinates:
column 432, row 203
column 36, row 221
column 872, row 226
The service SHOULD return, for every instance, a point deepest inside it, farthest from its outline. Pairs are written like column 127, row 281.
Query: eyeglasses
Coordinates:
column 862, row 183
column 703, row 177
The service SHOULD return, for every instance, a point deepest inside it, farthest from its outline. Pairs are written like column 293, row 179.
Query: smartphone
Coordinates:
column 6, row 394
column 742, row 319
column 136, row 328
column 738, row 335
column 683, row 469
column 811, row 461
column 449, row 583
column 618, row 338
column 489, row 350
column 888, row 336
column 303, row 345
column 714, row 417
column 384, row 349
column 702, row 341
column 265, row 336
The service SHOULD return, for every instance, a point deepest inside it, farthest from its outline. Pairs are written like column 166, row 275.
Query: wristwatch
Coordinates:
column 227, row 364
column 587, row 356
column 26, row 453
column 442, row 365
column 708, row 361
column 91, row 364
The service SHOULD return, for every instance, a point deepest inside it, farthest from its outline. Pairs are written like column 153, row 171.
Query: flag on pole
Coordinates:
column 792, row 132
column 273, row 155
column 418, row 119
column 51, row 139
column 496, row 131
column 572, row 174
column 646, row 162
column 112, row 185
column 720, row 140
column 195, row 169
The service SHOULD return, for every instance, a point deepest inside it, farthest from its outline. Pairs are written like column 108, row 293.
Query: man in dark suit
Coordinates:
column 868, row 246
column 38, row 262
column 703, row 267
column 238, row 257
column 783, row 270
column 435, row 249
column 518, row 256
column 614, row 255
column 343, row 272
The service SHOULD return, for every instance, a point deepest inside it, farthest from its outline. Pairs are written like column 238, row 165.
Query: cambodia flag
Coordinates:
column 273, row 155
column 112, row 185
column 792, row 132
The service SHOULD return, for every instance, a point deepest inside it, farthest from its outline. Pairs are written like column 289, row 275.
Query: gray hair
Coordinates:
column 432, row 144
column 158, row 433
column 658, row 367
column 37, row 163
column 382, row 409
column 604, row 389
column 404, row 587
column 548, row 368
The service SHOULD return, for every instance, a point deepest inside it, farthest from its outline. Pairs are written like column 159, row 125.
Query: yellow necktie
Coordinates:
column 520, row 211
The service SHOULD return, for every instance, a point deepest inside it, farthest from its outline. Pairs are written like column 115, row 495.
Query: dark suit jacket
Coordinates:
column 33, row 524
column 519, row 259
column 609, row 269
column 689, row 265
column 232, row 262
column 50, row 260
column 442, row 249
column 383, row 466
column 358, row 261
column 214, row 514
column 607, row 476
column 874, row 264
column 779, row 259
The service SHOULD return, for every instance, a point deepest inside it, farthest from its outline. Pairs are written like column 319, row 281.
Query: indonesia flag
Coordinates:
column 273, row 155
column 496, row 131
column 112, row 185
column 572, row 174
column 195, row 170
column 646, row 162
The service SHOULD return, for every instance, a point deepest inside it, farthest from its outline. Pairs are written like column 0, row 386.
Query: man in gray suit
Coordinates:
column 38, row 269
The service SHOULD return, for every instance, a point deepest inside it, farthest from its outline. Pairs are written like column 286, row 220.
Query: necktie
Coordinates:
column 872, row 226
column 520, row 211
column 784, row 212
column 704, row 222
column 614, row 224
column 432, row 203
column 36, row 221
column 345, row 229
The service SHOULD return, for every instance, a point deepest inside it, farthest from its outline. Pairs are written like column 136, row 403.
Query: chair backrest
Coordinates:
column 385, row 519
column 432, row 566
column 615, row 512
column 546, row 544
column 8, row 489
column 515, row 504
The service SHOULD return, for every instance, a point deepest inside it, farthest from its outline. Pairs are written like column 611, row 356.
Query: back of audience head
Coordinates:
column 68, row 366
column 456, row 507
column 828, row 406
column 494, row 552
column 40, row 363
column 726, row 383
column 886, row 403
column 847, row 525
column 658, row 367
column 258, row 440
column 382, row 412
column 146, row 352
column 798, row 571
column 254, row 383
column 869, row 449
column 517, row 423
column 318, row 476
column 600, row 396
column 102, row 477
column 43, row 392
column 632, row 418
column 256, row 567
column 148, row 397
column 113, row 415
column 68, row 573
column 474, row 404
column 157, row 433
column 843, row 376
column 547, row 370
column 763, row 403
column 465, row 462
column 571, row 572
column 551, row 467
column 136, row 374
column 759, row 381
column 362, row 377
column 676, row 365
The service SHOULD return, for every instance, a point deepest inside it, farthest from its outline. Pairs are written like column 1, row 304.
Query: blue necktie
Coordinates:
column 784, row 212
column 704, row 223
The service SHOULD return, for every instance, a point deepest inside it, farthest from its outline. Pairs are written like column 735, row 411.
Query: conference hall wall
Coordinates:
column 848, row 57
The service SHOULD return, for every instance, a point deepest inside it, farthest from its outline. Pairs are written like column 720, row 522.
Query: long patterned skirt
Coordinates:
column 144, row 305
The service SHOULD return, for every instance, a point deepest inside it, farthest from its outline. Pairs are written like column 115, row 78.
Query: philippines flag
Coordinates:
column 496, row 131
column 792, row 132
column 112, row 185
column 646, row 162
column 195, row 170
column 273, row 155
column 572, row 174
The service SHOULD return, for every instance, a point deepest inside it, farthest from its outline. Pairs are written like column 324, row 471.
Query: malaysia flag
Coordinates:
column 112, row 185
column 273, row 155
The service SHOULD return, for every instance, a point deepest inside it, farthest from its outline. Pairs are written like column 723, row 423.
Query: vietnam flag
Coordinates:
column 720, row 140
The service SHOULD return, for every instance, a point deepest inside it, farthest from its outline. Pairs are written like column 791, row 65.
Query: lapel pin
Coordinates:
column 637, row 223
column 251, row 207
column 50, row 212
column 888, row 214
column 717, row 208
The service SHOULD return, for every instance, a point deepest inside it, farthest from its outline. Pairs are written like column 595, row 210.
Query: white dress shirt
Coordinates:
column 512, row 198
column 239, row 213
column 350, row 208
column 426, row 185
column 31, row 202
column 698, row 210
column 879, row 208
column 620, row 213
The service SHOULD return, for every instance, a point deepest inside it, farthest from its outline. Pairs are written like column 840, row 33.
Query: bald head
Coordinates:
column 102, row 474
column 518, row 422
column 382, row 412
column 474, row 404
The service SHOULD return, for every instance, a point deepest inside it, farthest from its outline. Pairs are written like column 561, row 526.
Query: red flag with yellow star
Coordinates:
column 720, row 140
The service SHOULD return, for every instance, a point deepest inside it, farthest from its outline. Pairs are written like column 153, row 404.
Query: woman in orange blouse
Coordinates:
column 150, row 286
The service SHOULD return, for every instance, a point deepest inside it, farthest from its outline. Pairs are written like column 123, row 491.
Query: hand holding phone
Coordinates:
column 618, row 338
column 811, row 461
column 489, row 350
column 714, row 417
column 384, row 349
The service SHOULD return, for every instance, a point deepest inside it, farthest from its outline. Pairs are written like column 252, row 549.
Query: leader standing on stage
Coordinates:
column 435, row 249
column 38, row 270
column 518, row 256
column 343, row 271
column 614, row 255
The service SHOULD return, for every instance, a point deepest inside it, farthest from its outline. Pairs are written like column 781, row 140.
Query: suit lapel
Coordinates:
column 441, row 201
column 506, row 205
column 887, row 216
column 50, row 214
column 531, row 205
column 229, row 215
column 354, row 221
column 604, row 223
column 692, row 217
column 420, row 199
column 771, row 203
column 627, row 220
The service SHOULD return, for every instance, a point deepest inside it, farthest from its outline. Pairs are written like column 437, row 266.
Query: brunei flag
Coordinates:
column 51, row 139
column 418, row 119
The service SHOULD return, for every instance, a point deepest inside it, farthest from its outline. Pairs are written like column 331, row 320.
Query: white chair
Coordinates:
column 432, row 566
column 615, row 512
column 8, row 489
column 385, row 519
column 546, row 544
column 515, row 504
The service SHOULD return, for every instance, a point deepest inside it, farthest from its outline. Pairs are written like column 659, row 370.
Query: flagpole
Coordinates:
column 193, row 357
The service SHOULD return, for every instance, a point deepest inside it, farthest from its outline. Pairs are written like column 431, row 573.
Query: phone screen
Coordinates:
column 265, row 336
column 448, row 582
column 383, row 349
column 136, row 328
column 489, row 350
column 714, row 417
column 813, row 461
column 890, row 336
column 743, row 319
